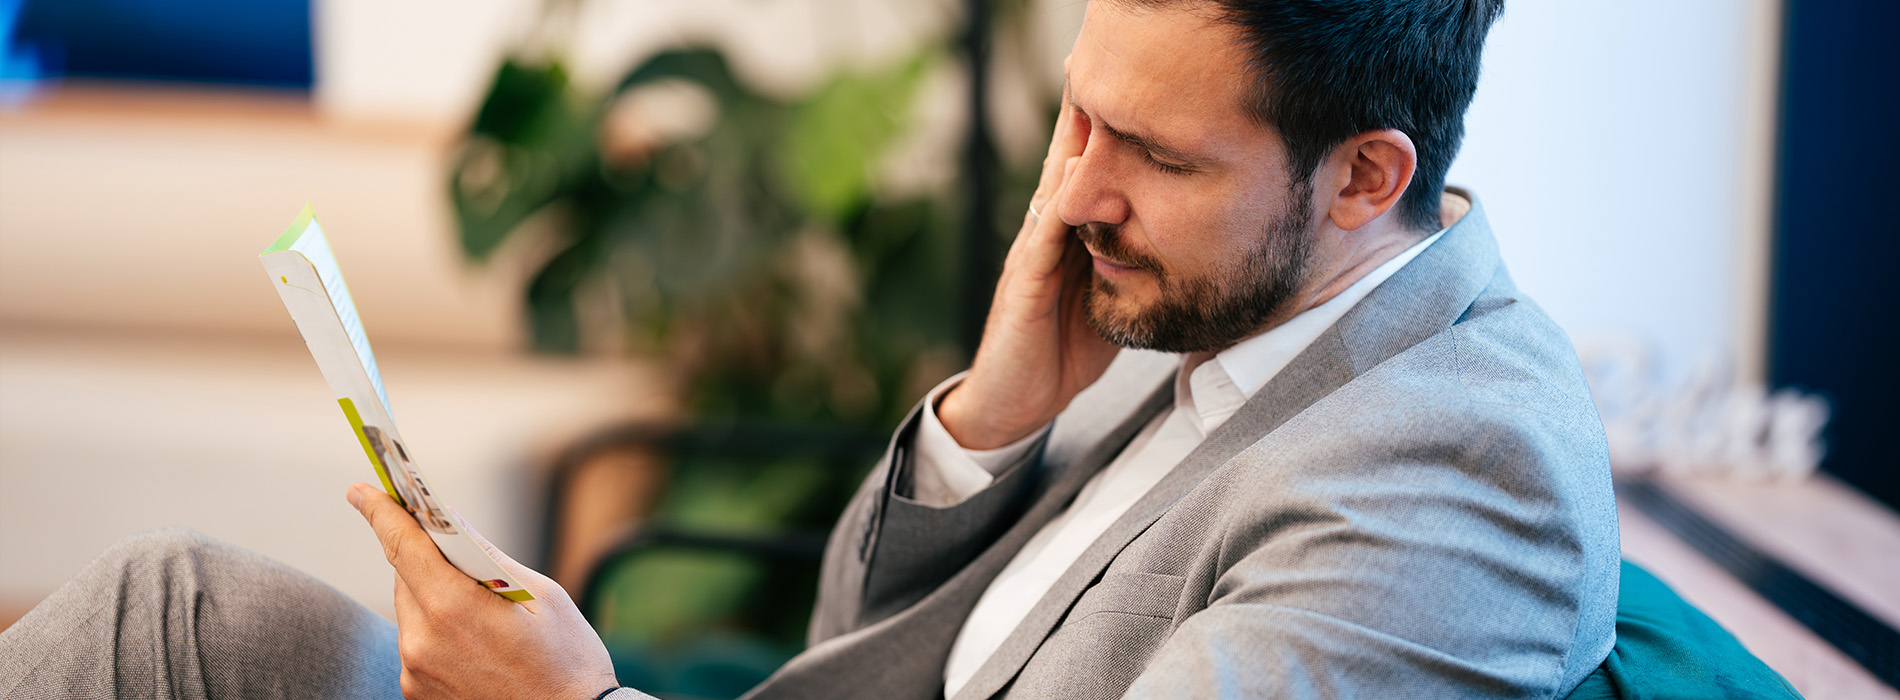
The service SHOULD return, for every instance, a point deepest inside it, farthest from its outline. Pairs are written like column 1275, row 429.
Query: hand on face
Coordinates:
column 459, row 640
column 1038, row 350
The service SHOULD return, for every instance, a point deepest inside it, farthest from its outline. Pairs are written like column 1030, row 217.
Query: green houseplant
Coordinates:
column 757, row 257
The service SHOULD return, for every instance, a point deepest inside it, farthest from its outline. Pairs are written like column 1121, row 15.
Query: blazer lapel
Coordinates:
column 903, row 655
column 1423, row 298
column 1064, row 485
column 1304, row 381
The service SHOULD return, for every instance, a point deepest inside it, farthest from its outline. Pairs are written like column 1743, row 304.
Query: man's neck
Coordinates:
column 1367, row 250
column 1452, row 208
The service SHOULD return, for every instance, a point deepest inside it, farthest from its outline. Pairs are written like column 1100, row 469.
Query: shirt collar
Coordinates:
column 1212, row 389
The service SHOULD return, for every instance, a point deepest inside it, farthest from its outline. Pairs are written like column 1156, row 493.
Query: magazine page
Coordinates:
column 305, row 273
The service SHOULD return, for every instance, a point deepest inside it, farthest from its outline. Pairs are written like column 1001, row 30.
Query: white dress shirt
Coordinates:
column 1207, row 391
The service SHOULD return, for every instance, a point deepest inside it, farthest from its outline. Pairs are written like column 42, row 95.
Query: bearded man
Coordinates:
column 1257, row 413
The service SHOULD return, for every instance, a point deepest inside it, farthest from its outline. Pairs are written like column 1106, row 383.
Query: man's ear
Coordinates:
column 1370, row 172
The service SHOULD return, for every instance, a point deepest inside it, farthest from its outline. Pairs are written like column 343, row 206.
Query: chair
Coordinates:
column 711, row 588
column 1666, row 649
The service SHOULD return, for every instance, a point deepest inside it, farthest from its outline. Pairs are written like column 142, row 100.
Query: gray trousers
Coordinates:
column 173, row 614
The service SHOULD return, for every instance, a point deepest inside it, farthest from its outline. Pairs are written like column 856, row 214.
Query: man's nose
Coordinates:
column 1090, row 195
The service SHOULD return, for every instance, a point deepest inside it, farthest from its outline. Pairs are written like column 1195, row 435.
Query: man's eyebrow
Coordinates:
column 1140, row 141
column 1183, row 159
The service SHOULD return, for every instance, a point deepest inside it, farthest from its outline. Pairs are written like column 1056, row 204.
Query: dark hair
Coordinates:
column 1325, row 70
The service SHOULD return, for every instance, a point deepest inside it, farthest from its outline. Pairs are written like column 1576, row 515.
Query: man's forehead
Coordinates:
column 1173, row 74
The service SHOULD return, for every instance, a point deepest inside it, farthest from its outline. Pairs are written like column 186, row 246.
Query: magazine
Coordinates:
column 306, row 276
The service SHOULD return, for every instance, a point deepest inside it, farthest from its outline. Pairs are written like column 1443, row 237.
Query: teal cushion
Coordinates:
column 1668, row 650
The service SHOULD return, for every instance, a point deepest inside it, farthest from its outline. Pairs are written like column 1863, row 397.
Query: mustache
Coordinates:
column 1106, row 241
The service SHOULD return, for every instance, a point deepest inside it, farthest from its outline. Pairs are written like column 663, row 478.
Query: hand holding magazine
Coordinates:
column 306, row 276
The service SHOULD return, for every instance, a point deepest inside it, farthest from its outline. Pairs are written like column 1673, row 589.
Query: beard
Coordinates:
column 1210, row 312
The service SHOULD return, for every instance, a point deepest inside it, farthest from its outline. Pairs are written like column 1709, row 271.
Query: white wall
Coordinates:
column 1622, row 150
column 149, row 213
column 104, row 434
column 426, row 61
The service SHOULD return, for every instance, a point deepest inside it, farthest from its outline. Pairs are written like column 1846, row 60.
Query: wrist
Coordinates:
column 973, row 428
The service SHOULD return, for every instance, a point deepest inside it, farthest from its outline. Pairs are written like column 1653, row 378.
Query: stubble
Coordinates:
column 1211, row 312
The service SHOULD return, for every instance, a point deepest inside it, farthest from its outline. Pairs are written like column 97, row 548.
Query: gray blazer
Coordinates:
column 1418, row 506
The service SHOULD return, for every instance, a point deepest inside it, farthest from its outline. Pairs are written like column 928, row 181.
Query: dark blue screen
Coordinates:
column 252, row 42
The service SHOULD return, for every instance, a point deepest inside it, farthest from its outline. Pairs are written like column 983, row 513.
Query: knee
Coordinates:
column 161, row 544
column 145, row 573
column 172, row 550
column 172, row 539
column 177, row 568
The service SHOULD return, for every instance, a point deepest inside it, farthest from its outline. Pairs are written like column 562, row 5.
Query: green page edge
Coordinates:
column 356, row 424
column 519, row 595
column 296, row 229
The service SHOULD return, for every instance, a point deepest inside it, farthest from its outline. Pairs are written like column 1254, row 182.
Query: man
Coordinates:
column 1360, row 465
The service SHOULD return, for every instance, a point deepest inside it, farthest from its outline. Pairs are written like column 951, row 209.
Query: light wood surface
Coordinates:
column 1823, row 527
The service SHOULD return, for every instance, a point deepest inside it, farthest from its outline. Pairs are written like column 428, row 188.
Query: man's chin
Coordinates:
column 1118, row 318
column 1160, row 325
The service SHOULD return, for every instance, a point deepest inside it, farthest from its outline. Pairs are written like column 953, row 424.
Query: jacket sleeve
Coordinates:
column 889, row 550
column 945, row 472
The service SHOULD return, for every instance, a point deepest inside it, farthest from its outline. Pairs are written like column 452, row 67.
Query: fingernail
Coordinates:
column 355, row 496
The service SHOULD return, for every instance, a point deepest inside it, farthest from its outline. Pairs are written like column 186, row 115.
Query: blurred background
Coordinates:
column 649, row 282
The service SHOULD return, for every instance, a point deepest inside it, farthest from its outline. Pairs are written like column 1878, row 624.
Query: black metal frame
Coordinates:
column 981, row 261
column 846, row 449
column 791, row 547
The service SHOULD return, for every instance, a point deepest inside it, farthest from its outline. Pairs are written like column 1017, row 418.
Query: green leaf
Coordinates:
column 523, row 99
column 838, row 134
